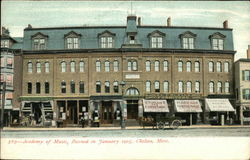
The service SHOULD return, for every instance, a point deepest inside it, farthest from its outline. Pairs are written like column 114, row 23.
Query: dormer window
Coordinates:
column 106, row 42
column 156, row 39
column 187, row 40
column 217, row 41
column 39, row 41
column 131, row 39
column 72, row 40
column 106, row 39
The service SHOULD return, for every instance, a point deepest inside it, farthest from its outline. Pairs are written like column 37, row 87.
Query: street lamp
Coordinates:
column 123, row 124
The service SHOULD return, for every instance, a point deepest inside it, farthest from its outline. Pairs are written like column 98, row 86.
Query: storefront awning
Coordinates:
column 218, row 105
column 155, row 106
column 187, row 106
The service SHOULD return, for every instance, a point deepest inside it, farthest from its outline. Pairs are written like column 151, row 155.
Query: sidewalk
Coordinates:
column 114, row 128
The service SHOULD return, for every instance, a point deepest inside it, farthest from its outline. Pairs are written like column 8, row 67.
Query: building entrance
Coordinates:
column 106, row 113
column 72, row 112
column 132, row 109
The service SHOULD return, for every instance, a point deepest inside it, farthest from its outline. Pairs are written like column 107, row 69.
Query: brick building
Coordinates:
column 11, row 57
column 242, row 85
column 71, row 70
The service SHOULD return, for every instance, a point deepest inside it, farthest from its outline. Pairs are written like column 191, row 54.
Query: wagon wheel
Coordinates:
column 160, row 125
column 175, row 124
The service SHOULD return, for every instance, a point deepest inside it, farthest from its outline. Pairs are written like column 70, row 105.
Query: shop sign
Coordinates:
column 246, row 119
column 155, row 96
column 218, row 105
column 155, row 106
column 132, row 76
column 187, row 106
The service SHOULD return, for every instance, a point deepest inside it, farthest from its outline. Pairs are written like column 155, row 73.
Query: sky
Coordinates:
column 16, row 15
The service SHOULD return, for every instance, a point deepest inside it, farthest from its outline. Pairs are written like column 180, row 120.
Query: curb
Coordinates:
column 118, row 128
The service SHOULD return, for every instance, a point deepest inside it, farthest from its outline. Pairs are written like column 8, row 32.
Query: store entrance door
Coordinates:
column 72, row 112
column 132, row 109
column 106, row 113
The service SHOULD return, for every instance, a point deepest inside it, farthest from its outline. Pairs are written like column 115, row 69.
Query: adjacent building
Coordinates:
column 69, row 72
column 242, row 85
column 11, row 75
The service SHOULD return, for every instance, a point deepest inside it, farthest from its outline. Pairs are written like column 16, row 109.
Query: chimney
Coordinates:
column 139, row 21
column 169, row 22
column 248, row 52
column 225, row 24
column 29, row 26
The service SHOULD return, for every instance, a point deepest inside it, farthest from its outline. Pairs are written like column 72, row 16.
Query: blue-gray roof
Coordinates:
column 89, row 36
column 18, row 44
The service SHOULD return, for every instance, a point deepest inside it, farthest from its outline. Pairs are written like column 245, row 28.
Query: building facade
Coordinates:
column 69, row 72
column 10, row 56
column 242, row 85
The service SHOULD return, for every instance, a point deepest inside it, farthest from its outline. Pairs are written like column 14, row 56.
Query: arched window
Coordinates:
column 38, row 87
column 107, row 66
column 227, row 87
column 129, row 66
column 211, row 66
column 189, row 66
column 197, row 66
column 189, row 87
column 157, row 86
column 134, row 65
column 81, row 87
column 165, row 65
column 226, row 67
column 46, row 67
column 46, row 87
column 30, row 67
column 98, row 87
column 219, row 87
column 116, row 87
column 157, row 66
column 148, row 66
column 197, row 87
column 219, row 68
column 180, row 87
column 148, row 86
column 132, row 92
column 63, row 87
column 38, row 67
column 72, row 66
column 81, row 66
column 98, row 66
column 72, row 87
column 165, row 86
column 63, row 66
column 211, row 87
column 180, row 65
column 116, row 66
column 107, row 87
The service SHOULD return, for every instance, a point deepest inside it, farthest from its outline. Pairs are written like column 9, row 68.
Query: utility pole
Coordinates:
column 3, row 102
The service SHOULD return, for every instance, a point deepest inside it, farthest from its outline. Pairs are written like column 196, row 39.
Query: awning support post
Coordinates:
column 222, row 119
column 241, row 115
column 191, row 119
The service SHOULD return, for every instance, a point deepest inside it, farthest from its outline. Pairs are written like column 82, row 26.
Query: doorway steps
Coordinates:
column 132, row 122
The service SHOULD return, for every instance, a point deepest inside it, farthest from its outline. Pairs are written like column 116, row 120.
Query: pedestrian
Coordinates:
column 82, row 121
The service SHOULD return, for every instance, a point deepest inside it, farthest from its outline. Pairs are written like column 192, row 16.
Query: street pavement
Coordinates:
column 184, row 131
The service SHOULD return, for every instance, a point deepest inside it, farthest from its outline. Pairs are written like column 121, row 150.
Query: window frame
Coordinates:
column 165, row 86
column 46, row 87
column 180, row 66
column 47, row 67
column 148, row 86
column 98, row 87
column 81, row 66
column 107, row 66
column 189, row 66
column 38, row 67
column 98, row 66
column 148, row 66
column 30, row 67
column 116, row 66
column 211, row 87
column 72, row 66
column 157, row 87
column 107, row 87
column 63, row 67
column 165, row 65
column 197, row 66
column 81, row 87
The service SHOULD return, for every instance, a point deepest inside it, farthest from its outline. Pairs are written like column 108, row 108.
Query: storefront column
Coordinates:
column 77, row 106
column 191, row 119
column 222, row 119
column 140, row 109
column 241, row 115
column 66, row 109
